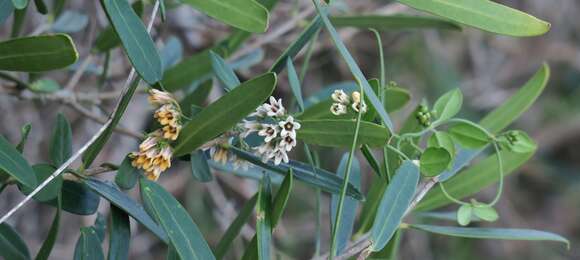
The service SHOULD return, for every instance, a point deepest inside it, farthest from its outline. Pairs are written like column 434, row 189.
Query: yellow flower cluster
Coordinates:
column 155, row 153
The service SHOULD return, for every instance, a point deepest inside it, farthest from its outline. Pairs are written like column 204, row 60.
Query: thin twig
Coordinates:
column 94, row 138
column 74, row 80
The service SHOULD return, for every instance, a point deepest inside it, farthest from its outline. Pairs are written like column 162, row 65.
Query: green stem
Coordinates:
column 500, row 165
column 345, row 183
column 398, row 152
column 449, row 196
column 318, row 203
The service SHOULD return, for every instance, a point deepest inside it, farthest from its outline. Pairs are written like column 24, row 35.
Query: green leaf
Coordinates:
column 295, row 84
column 48, row 244
column 517, row 104
column 263, row 219
column 52, row 190
column 442, row 140
column 77, row 198
column 355, row 70
column 92, row 152
column 44, row 86
column 20, row 4
column 393, row 22
column 199, row 167
column 100, row 226
column 6, row 9
column 474, row 179
column 468, row 136
column 339, row 133
column 235, row 228
column 224, row 113
column 350, row 204
column 318, row 178
column 127, row 175
column 108, row 38
column 37, row 53
column 247, row 15
column 11, row 245
column 119, row 234
column 394, row 204
column 123, row 201
column 88, row 246
column 223, row 71
column 434, row 160
column 464, row 214
column 448, row 105
column 282, row 196
column 396, row 98
column 12, row 163
column 182, row 231
column 296, row 46
column 61, row 141
column 136, row 41
column 493, row 233
column 485, row 15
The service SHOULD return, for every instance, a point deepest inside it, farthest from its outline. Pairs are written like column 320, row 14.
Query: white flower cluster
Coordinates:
column 277, row 128
column 342, row 100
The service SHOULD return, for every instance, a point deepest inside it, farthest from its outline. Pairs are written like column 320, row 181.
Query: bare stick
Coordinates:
column 89, row 143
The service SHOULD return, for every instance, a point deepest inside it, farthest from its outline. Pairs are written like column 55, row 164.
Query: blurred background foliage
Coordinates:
column 544, row 195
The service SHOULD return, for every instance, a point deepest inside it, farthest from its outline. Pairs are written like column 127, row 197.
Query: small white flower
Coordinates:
column 269, row 132
column 250, row 127
column 280, row 155
column 355, row 97
column 218, row 154
column 266, row 151
column 289, row 127
column 149, row 143
column 287, row 143
column 260, row 112
column 275, row 108
column 358, row 106
column 340, row 97
column 338, row 109
column 158, row 97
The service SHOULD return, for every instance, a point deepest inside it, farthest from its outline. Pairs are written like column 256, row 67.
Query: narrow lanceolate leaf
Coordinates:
column 92, row 152
column 493, row 233
column 474, row 179
column 119, row 234
column 183, row 233
column 124, row 202
column 37, row 53
column 223, row 71
column 247, row 15
column 50, row 191
column 127, row 175
column 297, row 45
column 339, row 133
column 135, row 39
column 199, row 167
column 355, row 70
column 263, row 219
column 393, row 205
column 108, row 38
column 100, row 226
column 50, row 240
column 350, row 204
column 485, row 15
column 235, row 228
column 393, row 22
column 61, row 142
column 88, row 246
column 318, row 178
column 295, row 84
column 11, row 245
column 224, row 113
column 517, row 104
column 12, row 163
